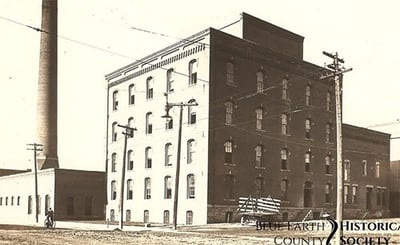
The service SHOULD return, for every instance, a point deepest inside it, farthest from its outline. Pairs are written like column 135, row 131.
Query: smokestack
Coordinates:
column 46, row 123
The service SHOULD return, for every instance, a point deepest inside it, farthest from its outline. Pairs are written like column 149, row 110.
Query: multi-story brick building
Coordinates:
column 264, row 125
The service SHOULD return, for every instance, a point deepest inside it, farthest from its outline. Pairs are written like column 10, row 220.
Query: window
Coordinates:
column 170, row 80
column 365, row 167
column 228, row 151
column 115, row 100
column 328, row 164
column 112, row 215
column 190, row 151
column 190, row 186
column 378, row 196
column 114, row 162
column 131, row 121
column 346, row 194
column 128, row 215
column 167, row 187
column 29, row 204
column 146, row 216
column 168, row 154
column 284, row 122
column 46, row 203
column 147, row 188
column 259, row 184
column 114, row 132
column 169, row 123
column 307, row 161
column 329, row 101
column 193, row 64
column 229, row 180
column 88, row 205
column 308, row 95
column 148, row 157
column 260, row 82
column 346, row 171
column 228, row 113
column 12, row 201
column 377, row 170
column 259, row 155
column 328, row 194
column 131, row 97
column 6, row 201
column 129, row 189
column 1, row 201
column 149, row 88
column 113, row 190
column 284, row 189
column 354, row 194
column 328, row 132
column 130, row 160
column 230, row 73
column 189, row 217
column 191, row 113
column 18, row 200
column 285, row 89
column 284, row 158
column 70, row 206
column 259, row 118
column 149, row 123
column 308, row 128
column 166, row 217
column 383, row 192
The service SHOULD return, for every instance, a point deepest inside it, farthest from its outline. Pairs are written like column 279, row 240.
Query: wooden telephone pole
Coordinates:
column 336, row 72
column 168, row 106
column 35, row 149
column 128, row 133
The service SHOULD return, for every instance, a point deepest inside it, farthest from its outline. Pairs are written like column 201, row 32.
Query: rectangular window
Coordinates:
column 170, row 80
column 259, row 155
column 149, row 88
column 29, row 204
column 189, row 217
column 377, row 170
column 193, row 72
column 259, row 118
column 365, row 168
column 285, row 88
column 228, row 152
column 308, row 128
column 284, row 155
column 284, row 189
column 168, row 187
column 328, row 198
column 346, row 194
column 284, row 129
column 147, row 188
column 190, row 186
column 70, row 206
column 228, row 113
column 354, row 193
column 346, row 171
column 146, row 216
column 230, row 74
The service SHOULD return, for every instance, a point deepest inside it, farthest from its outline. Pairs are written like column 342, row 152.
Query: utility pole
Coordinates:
column 336, row 72
column 35, row 149
column 128, row 133
column 168, row 106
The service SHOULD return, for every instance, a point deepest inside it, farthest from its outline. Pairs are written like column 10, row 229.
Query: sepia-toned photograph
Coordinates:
column 211, row 122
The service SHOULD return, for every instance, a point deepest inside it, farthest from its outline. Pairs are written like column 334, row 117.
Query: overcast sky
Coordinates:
column 364, row 33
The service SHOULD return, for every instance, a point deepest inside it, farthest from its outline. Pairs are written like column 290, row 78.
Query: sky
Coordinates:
column 96, row 38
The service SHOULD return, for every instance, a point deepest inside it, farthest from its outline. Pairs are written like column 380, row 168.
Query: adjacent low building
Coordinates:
column 72, row 194
column 264, row 125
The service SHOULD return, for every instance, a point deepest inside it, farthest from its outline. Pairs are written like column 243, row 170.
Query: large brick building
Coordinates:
column 264, row 125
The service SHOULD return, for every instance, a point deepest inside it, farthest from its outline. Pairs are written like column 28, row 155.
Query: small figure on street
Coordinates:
column 50, row 218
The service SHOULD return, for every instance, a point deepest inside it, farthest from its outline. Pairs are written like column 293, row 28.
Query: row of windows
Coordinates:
column 347, row 167
column 11, row 201
column 190, row 188
column 146, row 216
column 168, row 156
column 261, row 114
column 39, row 202
column 261, row 78
column 259, row 157
column 170, row 82
column 259, row 160
column 191, row 119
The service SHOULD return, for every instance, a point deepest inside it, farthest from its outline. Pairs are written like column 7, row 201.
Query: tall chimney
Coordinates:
column 46, row 123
